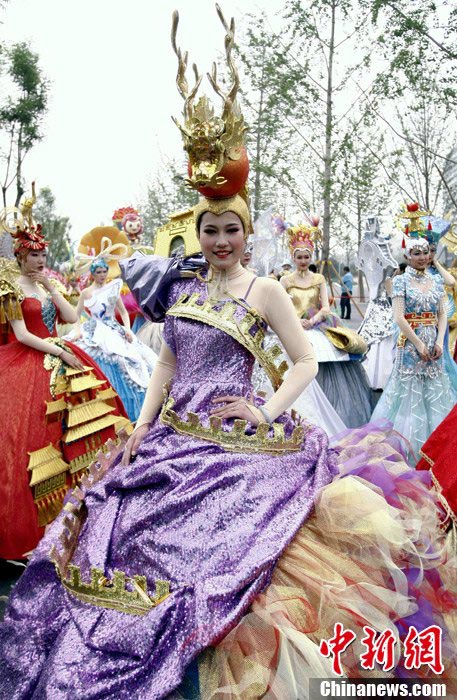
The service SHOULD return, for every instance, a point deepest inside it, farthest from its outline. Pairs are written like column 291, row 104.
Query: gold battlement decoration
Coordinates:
column 122, row 593
column 237, row 439
column 113, row 593
column 190, row 306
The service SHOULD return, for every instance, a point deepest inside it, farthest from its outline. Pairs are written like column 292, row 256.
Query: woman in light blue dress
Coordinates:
column 422, row 389
column 126, row 361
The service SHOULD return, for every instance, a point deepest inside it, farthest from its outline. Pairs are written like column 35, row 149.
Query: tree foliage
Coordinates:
column 56, row 228
column 323, row 94
column 22, row 110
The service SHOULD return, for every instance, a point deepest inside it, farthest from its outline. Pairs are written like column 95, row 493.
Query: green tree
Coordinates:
column 416, row 37
column 56, row 228
column 269, row 82
column 370, row 188
column 22, row 112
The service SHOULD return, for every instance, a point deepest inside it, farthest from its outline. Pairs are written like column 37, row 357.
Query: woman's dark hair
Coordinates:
column 312, row 268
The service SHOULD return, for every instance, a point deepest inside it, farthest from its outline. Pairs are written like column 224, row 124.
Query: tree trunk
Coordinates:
column 328, row 141
column 19, row 188
column 359, row 232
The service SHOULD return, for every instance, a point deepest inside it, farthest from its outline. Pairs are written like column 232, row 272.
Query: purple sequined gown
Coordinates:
column 210, row 521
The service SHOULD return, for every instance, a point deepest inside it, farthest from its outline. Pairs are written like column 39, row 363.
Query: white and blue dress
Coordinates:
column 128, row 365
column 419, row 394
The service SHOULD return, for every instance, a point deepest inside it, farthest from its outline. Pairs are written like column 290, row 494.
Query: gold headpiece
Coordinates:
column 415, row 231
column 220, row 206
column 102, row 243
column 218, row 164
column 304, row 236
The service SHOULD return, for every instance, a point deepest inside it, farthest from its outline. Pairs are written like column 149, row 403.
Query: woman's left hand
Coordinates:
column 237, row 407
column 437, row 352
column 129, row 336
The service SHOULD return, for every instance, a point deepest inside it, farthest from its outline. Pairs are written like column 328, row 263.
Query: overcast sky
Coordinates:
column 112, row 73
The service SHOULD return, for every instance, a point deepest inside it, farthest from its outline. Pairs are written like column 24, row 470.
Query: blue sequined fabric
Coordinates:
column 48, row 314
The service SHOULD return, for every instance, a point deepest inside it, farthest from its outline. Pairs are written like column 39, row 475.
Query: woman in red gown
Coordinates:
column 38, row 450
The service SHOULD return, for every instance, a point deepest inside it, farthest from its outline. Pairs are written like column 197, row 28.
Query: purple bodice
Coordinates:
column 209, row 363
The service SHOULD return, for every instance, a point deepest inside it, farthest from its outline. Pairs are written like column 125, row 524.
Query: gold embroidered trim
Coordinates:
column 236, row 440
column 113, row 593
column 187, row 306
column 57, row 381
column 451, row 517
column 100, row 590
column 427, row 458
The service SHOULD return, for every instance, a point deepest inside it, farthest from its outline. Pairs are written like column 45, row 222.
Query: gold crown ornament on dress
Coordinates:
column 218, row 165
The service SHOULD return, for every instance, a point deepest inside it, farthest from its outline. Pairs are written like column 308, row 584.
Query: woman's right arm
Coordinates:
column 398, row 309
column 33, row 341
column 163, row 372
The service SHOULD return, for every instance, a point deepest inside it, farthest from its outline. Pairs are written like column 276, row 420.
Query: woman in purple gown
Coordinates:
column 214, row 512
column 225, row 533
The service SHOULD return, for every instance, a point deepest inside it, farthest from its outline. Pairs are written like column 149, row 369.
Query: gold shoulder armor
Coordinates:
column 11, row 294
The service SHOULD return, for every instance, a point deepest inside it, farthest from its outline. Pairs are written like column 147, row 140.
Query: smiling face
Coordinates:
column 34, row 261
column 221, row 239
column 418, row 258
column 302, row 260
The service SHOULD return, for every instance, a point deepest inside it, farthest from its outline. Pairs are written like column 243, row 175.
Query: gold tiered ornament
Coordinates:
column 86, row 405
column 127, row 594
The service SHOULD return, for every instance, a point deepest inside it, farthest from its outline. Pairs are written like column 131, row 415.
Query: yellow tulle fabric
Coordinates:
column 348, row 563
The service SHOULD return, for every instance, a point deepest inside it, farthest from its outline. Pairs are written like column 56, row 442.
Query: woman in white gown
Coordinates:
column 126, row 361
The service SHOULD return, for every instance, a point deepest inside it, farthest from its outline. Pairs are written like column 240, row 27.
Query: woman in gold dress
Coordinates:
column 338, row 348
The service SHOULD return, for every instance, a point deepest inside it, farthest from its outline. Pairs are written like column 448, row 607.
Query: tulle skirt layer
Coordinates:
column 370, row 555
column 345, row 385
column 416, row 406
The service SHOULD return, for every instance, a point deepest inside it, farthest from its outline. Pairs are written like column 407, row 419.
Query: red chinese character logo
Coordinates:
column 380, row 649
column 424, row 648
column 336, row 645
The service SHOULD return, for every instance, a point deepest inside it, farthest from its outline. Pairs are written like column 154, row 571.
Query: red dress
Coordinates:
column 440, row 455
column 24, row 393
